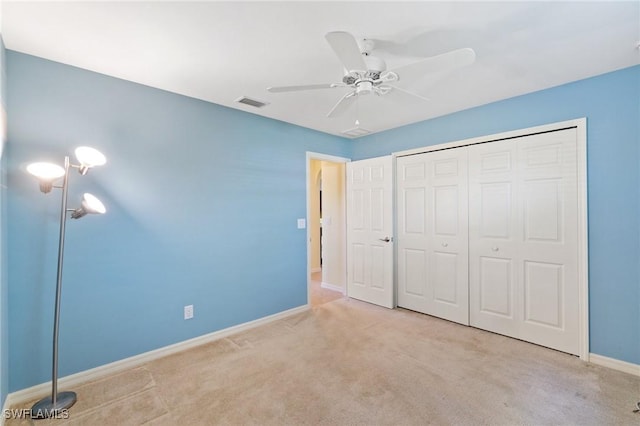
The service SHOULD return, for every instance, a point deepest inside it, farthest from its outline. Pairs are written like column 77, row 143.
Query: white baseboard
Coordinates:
column 41, row 390
column 332, row 287
column 616, row 364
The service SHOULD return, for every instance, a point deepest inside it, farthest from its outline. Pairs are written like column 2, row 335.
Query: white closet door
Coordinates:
column 493, row 241
column 547, row 169
column 369, row 231
column 432, row 234
column 523, row 239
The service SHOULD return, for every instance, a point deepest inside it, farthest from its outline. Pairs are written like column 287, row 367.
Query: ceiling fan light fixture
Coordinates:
column 364, row 87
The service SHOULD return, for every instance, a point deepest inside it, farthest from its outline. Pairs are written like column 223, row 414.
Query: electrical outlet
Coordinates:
column 188, row 312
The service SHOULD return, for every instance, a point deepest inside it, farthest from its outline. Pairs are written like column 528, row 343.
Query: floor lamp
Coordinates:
column 47, row 174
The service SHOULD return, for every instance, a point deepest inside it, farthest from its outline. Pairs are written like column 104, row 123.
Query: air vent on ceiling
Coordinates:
column 252, row 102
column 356, row 132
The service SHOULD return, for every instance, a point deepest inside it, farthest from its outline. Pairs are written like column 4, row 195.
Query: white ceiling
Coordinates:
column 220, row 51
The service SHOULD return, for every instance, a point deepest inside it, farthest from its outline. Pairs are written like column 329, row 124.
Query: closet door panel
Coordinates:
column 448, row 234
column 547, row 179
column 493, row 285
column 432, row 234
column 412, row 218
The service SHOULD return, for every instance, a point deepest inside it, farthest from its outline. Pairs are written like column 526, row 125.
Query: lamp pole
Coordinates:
column 47, row 173
column 50, row 406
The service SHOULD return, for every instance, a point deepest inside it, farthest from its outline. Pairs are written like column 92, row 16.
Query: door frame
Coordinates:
column 580, row 125
column 334, row 159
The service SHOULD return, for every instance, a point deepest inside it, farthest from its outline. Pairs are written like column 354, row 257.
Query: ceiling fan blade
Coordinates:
column 280, row 89
column 444, row 62
column 346, row 47
column 399, row 93
column 343, row 104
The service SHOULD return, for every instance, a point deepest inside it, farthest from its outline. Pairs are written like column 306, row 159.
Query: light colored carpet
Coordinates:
column 351, row 363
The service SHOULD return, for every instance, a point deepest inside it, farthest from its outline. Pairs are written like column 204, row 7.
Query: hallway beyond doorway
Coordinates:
column 318, row 294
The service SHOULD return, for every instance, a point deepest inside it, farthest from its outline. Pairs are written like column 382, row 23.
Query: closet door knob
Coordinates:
column 445, row 244
column 495, row 248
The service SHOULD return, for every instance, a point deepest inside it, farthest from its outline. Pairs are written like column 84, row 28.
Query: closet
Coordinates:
column 487, row 236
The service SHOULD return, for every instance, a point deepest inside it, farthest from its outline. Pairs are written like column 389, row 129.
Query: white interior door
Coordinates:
column 523, row 239
column 369, row 231
column 432, row 207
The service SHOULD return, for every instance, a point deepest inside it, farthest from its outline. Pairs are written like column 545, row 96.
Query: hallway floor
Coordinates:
column 319, row 295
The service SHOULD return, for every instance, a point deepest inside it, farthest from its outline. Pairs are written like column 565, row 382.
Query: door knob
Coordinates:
column 494, row 248
column 385, row 239
column 445, row 244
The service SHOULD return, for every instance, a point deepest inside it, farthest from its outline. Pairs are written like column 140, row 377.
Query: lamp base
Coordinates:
column 45, row 409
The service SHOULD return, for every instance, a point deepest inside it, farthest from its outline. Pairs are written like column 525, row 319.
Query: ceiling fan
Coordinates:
column 367, row 74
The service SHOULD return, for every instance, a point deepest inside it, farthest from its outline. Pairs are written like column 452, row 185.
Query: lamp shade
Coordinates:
column 46, row 174
column 90, row 204
column 48, row 171
column 89, row 157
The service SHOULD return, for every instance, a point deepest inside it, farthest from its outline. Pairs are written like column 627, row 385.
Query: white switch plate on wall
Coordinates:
column 302, row 223
column 188, row 312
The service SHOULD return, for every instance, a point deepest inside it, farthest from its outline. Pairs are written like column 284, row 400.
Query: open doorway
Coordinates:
column 326, row 228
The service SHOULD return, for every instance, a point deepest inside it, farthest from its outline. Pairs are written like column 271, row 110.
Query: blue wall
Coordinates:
column 611, row 103
column 202, row 203
column 4, row 323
